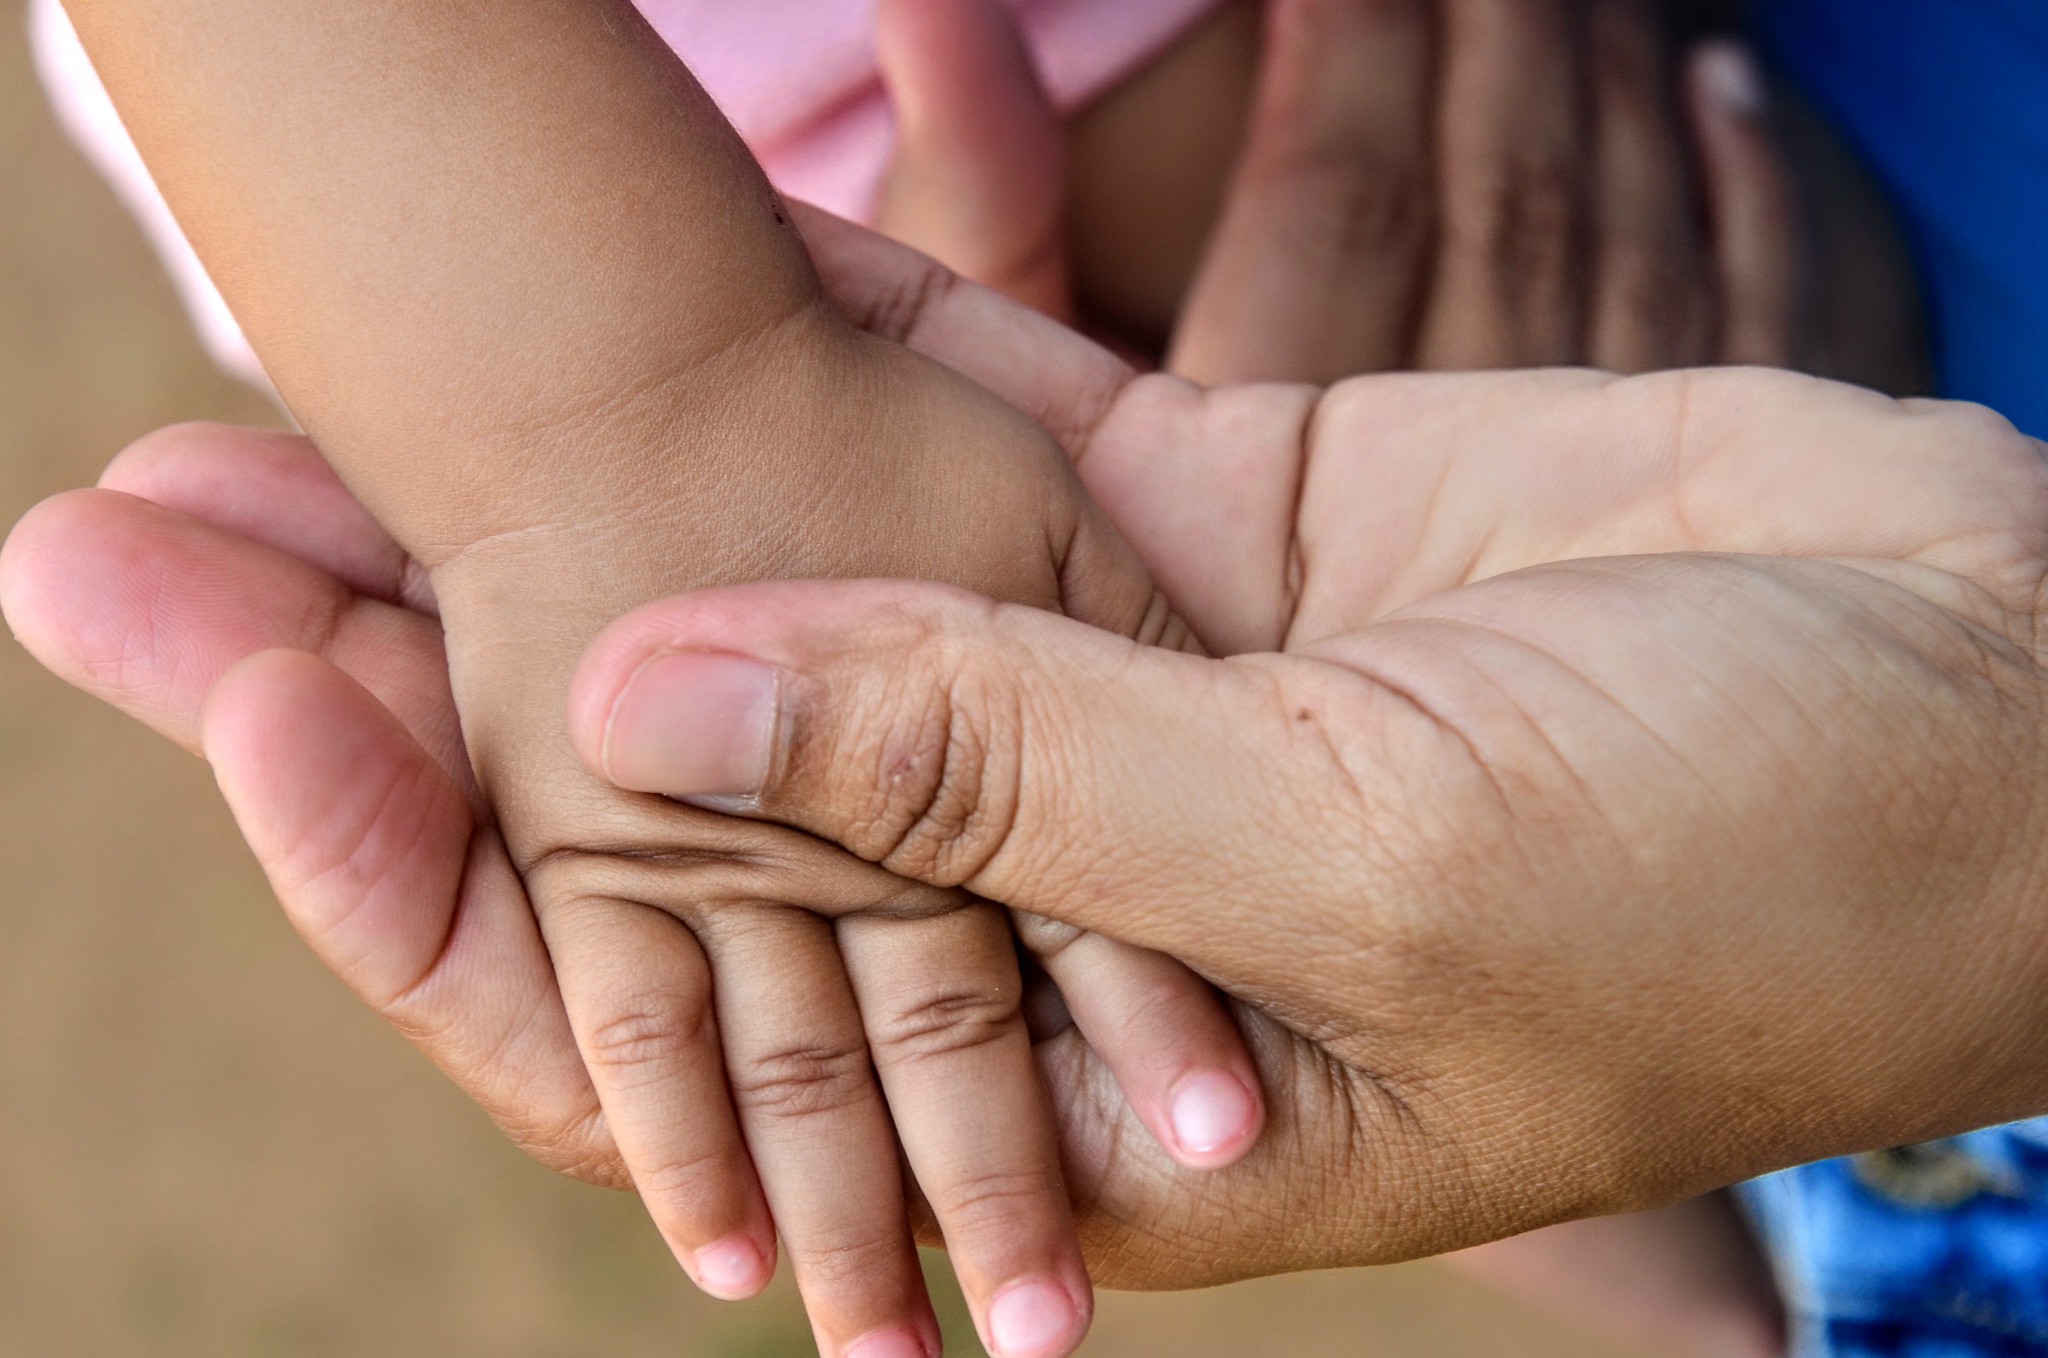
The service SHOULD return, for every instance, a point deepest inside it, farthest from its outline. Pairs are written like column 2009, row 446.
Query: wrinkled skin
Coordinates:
column 547, row 319
column 1635, row 807
column 1665, row 812
column 1421, row 184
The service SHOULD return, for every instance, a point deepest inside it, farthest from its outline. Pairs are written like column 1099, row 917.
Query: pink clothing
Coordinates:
column 797, row 77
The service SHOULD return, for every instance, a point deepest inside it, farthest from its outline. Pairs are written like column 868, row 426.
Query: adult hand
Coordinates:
column 1430, row 184
column 149, row 606
column 1555, row 878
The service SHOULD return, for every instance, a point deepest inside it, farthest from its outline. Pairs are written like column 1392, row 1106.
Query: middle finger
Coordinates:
column 1512, row 137
column 821, row 1135
column 1650, row 305
column 942, row 1000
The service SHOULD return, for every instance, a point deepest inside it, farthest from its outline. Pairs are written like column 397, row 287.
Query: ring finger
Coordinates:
column 822, row 1139
column 942, row 1002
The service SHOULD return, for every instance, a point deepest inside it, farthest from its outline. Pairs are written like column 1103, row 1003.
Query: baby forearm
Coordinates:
column 445, row 223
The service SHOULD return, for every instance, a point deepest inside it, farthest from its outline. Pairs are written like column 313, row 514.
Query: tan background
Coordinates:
column 206, row 1147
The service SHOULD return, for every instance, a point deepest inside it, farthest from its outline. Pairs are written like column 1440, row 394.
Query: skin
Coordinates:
column 1304, row 141
column 1273, row 200
column 1417, row 185
column 1687, row 778
column 1571, row 856
column 1298, row 127
column 1324, row 262
column 532, row 413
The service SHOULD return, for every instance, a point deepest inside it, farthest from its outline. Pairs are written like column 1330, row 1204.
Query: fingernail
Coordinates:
column 1212, row 1113
column 693, row 724
column 892, row 1343
column 1731, row 75
column 1032, row 1320
column 731, row 1269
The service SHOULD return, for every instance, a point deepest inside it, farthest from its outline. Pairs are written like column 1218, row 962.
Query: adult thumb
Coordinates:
column 1031, row 759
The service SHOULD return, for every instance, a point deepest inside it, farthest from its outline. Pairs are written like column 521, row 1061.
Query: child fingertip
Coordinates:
column 1037, row 1318
column 1215, row 1119
column 733, row 1269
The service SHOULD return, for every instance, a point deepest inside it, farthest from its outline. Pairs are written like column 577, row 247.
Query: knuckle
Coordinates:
column 946, row 1020
column 833, row 1259
column 1627, row 49
column 947, row 776
column 1349, row 207
column 895, row 313
column 794, row 1082
column 579, row 1147
column 994, row 1199
column 1525, row 213
column 673, row 1186
column 644, row 1042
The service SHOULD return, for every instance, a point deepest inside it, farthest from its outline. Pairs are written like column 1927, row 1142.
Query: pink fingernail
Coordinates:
column 694, row 724
column 1732, row 76
column 731, row 1269
column 1212, row 1113
column 892, row 1343
column 1033, row 1320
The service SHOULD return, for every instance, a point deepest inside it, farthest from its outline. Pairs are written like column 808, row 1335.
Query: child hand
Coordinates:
column 576, row 362
column 1437, row 184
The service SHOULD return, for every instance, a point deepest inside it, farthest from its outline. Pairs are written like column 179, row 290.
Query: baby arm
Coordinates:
column 514, row 272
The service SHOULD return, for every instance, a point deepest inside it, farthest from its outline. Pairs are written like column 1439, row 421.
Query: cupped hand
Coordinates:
column 1642, row 791
column 975, row 1126
column 1676, row 868
column 684, row 408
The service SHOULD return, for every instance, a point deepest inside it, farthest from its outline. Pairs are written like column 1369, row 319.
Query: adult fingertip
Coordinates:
column 18, row 552
column 693, row 725
column 140, row 467
column 1729, row 78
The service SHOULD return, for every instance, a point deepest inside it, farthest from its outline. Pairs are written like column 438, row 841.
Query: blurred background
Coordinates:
column 206, row 1146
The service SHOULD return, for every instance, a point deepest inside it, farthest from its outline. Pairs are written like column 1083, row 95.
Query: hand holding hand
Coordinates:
column 1627, row 806
column 1670, row 814
column 577, row 361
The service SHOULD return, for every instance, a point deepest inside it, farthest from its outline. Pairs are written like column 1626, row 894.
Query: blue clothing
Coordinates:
column 1934, row 1252
column 1941, row 1251
column 1948, row 102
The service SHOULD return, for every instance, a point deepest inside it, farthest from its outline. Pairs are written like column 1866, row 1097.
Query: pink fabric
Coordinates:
column 797, row 78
